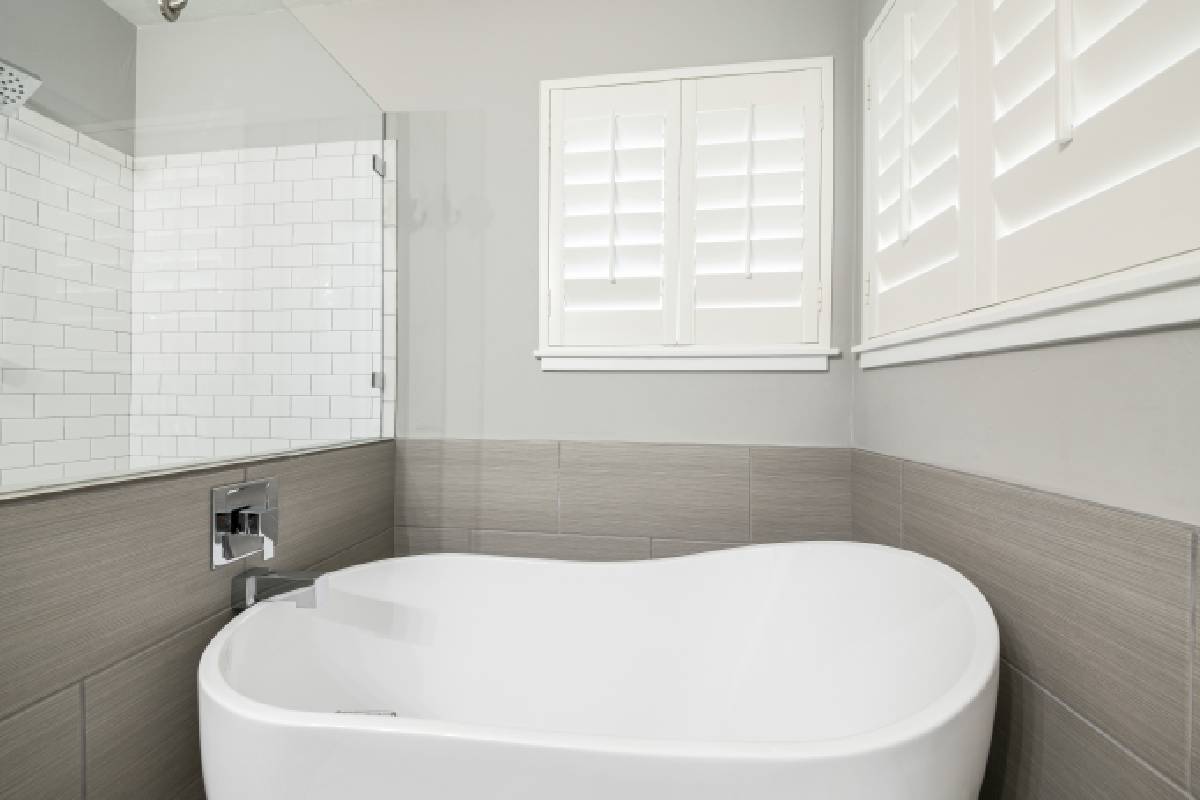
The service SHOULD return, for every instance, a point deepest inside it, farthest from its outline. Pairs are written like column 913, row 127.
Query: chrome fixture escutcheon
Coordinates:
column 245, row 521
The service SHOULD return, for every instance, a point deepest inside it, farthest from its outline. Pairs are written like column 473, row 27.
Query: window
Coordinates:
column 1030, row 173
column 918, row 241
column 686, row 219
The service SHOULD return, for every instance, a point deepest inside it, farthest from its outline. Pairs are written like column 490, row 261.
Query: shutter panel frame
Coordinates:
column 808, row 351
column 918, row 180
column 1084, row 162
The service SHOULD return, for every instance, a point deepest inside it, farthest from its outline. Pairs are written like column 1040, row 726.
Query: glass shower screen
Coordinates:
column 192, row 249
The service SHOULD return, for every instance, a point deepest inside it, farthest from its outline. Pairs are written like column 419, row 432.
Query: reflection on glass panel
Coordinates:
column 192, row 240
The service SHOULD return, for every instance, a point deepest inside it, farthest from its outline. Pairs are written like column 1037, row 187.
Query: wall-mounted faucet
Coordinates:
column 259, row 583
column 245, row 521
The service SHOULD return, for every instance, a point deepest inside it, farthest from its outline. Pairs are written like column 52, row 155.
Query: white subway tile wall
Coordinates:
column 167, row 309
column 66, row 242
column 258, row 312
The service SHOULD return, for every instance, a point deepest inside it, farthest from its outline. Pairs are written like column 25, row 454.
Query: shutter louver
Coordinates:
column 917, row 233
column 613, row 214
column 1096, row 138
column 750, row 232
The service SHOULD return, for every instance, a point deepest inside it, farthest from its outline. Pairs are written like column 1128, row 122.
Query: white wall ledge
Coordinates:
column 679, row 359
column 1162, row 294
column 200, row 465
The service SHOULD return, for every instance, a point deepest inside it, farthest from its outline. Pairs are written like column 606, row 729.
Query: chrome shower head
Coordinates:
column 16, row 85
column 171, row 9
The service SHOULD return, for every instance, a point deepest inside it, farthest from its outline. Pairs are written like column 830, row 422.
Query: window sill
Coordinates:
column 677, row 359
column 1158, row 295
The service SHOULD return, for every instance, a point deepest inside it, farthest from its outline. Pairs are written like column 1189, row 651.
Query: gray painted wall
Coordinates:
column 1114, row 421
column 1111, row 421
column 253, row 80
column 468, row 77
column 86, row 53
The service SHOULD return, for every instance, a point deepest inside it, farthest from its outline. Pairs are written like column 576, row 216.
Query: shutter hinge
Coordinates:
column 549, row 303
column 868, row 95
column 867, row 288
column 821, row 118
column 820, row 297
column 379, row 165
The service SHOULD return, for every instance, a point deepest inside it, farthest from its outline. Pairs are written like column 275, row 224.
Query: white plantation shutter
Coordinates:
column 686, row 219
column 750, row 226
column 613, row 214
column 1095, row 138
column 918, row 235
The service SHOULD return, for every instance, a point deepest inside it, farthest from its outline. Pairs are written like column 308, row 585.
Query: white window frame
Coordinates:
column 1159, row 294
column 691, row 358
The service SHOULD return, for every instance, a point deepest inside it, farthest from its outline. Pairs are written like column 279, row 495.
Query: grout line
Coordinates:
column 21, row 709
column 193, row 469
column 82, row 741
column 109, row 665
column 348, row 548
column 1153, row 770
column 174, row 635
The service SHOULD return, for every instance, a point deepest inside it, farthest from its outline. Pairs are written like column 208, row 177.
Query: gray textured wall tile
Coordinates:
column 667, row 548
column 1093, row 603
column 518, row 486
column 1042, row 750
column 417, row 541
column 799, row 493
column 40, row 750
column 1195, row 754
column 329, row 501
column 437, row 483
column 194, row 791
column 89, row 576
column 568, row 546
column 501, row 485
column 143, row 736
column 697, row 492
column 876, row 510
column 377, row 547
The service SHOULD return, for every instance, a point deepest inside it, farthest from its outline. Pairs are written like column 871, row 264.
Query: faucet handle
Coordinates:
column 235, row 546
column 245, row 521
column 257, row 521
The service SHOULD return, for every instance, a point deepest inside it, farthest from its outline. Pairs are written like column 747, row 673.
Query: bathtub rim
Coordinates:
column 979, row 677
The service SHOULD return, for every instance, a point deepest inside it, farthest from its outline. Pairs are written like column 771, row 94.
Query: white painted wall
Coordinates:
column 466, row 76
column 1112, row 421
column 1115, row 421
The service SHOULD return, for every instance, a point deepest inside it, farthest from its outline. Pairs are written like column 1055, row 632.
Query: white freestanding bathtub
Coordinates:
column 814, row 671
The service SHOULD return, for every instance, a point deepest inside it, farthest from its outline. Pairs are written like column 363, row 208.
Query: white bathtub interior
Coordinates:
column 765, row 644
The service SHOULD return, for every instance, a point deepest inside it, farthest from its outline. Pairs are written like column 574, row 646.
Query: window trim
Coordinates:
column 811, row 357
column 1161, row 294
column 1158, row 294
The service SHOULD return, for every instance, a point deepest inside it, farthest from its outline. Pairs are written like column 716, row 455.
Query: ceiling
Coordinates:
column 145, row 12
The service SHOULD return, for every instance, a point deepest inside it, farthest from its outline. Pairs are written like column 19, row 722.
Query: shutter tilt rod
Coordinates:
column 749, row 263
column 612, row 199
column 1064, row 79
